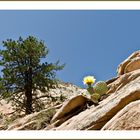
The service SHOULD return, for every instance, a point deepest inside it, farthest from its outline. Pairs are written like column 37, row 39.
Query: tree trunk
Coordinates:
column 28, row 104
column 28, row 91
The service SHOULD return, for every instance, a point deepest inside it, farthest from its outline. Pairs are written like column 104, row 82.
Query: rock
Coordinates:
column 111, row 80
column 122, row 80
column 96, row 117
column 130, row 64
column 133, row 65
column 5, row 108
column 70, row 108
column 126, row 119
column 35, row 121
column 3, row 127
column 68, row 90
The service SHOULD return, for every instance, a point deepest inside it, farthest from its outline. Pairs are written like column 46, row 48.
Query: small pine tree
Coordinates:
column 25, row 70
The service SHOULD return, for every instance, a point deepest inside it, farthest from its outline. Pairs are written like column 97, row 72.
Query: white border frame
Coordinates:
column 67, row 5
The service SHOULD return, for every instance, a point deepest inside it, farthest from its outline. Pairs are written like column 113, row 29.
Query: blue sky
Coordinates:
column 89, row 42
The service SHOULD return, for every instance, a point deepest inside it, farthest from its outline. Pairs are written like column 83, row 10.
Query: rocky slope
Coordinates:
column 38, row 120
column 118, row 110
column 123, row 94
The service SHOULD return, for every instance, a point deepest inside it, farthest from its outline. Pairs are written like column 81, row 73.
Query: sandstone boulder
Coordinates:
column 130, row 64
column 96, row 117
column 126, row 119
column 122, row 80
column 69, row 109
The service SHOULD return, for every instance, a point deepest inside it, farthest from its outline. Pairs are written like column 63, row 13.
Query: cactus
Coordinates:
column 95, row 97
column 90, row 90
column 100, row 88
column 94, row 93
column 89, row 80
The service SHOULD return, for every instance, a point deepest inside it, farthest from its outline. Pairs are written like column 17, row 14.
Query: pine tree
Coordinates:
column 25, row 70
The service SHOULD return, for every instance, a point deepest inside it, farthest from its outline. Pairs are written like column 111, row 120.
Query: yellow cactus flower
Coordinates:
column 89, row 80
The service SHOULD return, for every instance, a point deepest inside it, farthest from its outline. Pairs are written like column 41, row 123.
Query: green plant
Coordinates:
column 100, row 87
column 95, row 97
column 96, row 91
column 43, row 118
column 25, row 70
